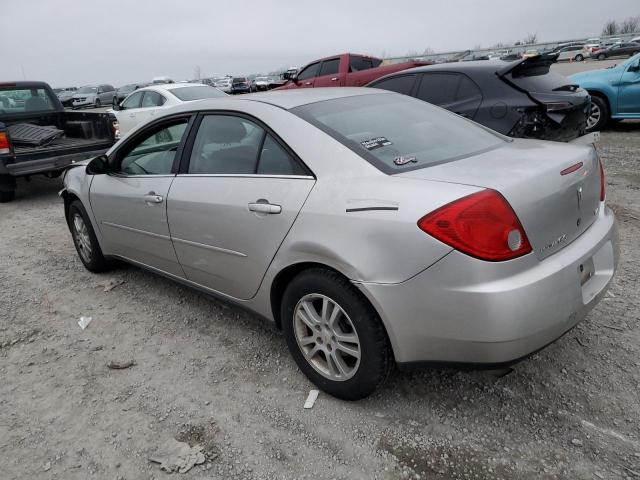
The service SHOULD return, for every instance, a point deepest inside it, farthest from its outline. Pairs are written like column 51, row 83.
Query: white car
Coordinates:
column 572, row 52
column 224, row 85
column 145, row 103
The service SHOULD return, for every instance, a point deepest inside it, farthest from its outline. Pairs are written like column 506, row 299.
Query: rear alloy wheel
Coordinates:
column 579, row 57
column 84, row 239
column 599, row 114
column 97, row 103
column 334, row 335
column 602, row 56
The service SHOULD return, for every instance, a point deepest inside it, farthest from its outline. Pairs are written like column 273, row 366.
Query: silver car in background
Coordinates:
column 94, row 96
column 372, row 227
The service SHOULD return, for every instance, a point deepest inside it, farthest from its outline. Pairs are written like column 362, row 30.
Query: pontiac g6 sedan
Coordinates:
column 372, row 227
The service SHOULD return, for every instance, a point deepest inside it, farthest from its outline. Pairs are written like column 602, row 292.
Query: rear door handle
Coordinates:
column 334, row 79
column 264, row 207
column 151, row 197
column 307, row 83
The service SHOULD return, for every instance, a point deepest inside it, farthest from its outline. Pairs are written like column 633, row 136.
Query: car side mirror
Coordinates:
column 635, row 66
column 98, row 165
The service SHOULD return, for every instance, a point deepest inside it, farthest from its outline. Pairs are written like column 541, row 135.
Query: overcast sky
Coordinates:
column 78, row 42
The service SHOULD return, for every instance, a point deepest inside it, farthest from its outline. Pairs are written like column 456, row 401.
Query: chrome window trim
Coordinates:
column 147, row 175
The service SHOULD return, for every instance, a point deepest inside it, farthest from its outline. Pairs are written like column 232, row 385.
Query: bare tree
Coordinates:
column 197, row 72
column 610, row 28
column 530, row 38
column 630, row 25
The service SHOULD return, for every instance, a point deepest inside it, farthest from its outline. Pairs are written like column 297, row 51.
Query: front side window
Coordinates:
column 21, row 100
column 310, row 72
column 154, row 152
column 230, row 145
column 397, row 133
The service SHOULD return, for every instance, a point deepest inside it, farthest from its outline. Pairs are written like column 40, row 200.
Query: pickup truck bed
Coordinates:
column 86, row 134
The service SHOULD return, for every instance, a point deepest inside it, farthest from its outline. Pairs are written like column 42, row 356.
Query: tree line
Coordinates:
column 628, row 25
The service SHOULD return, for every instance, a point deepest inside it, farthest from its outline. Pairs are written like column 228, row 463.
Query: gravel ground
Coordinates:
column 209, row 373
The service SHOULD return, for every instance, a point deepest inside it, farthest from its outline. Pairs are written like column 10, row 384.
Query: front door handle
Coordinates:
column 307, row 83
column 151, row 197
column 263, row 206
column 334, row 79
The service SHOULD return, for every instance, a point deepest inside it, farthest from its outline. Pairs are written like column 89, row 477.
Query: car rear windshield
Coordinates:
column 196, row 93
column 24, row 100
column 396, row 133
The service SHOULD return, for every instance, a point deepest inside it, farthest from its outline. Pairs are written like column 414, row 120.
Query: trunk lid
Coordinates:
column 554, row 204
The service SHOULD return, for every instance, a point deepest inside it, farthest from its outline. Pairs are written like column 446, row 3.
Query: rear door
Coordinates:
column 329, row 74
column 129, row 203
column 229, row 210
column 151, row 102
column 453, row 91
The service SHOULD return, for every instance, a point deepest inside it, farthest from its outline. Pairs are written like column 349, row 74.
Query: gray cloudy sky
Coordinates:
column 120, row 41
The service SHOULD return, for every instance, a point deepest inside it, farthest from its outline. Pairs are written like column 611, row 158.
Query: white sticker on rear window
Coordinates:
column 377, row 142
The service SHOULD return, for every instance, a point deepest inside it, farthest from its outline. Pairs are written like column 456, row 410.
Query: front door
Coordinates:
column 129, row 204
column 231, row 209
column 329, row 74
column 629, row 94
column 307, row 76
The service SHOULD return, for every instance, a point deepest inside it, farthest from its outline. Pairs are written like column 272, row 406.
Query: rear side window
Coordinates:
column 439, row 88
column 397, row 133
column 23, row 100
column 330, row 67
column 196, row 93
column 357, row 63
column 152, row 99
column 400, row 84
column 310, row 72
column 274, row 160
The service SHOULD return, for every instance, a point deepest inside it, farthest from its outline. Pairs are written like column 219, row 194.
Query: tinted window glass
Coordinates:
column 226, row 145
column 152, row 99
column 330, row 67
column 196, row 93
column 396, row 133
column 357, row 63
column 154, row 153
column 467, row 89
column 274, row 160
column 310, row 72
column 438, row 88
column 401, row 84
column 20, row 99
column 133, row 101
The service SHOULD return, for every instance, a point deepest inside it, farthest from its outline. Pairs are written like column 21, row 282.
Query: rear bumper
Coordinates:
column 464, row 310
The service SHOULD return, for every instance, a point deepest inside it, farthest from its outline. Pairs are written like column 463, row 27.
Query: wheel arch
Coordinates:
column 604, row 96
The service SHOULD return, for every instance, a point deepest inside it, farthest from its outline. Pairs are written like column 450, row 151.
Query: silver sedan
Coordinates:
column 371, row 227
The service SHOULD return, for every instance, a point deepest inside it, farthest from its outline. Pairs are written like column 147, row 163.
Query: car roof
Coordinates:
column 285, row 99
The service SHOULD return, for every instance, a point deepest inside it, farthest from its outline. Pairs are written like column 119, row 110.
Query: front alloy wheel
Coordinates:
column 81, row 237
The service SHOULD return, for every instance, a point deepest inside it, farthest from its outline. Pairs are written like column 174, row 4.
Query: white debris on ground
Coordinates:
column 175, row 456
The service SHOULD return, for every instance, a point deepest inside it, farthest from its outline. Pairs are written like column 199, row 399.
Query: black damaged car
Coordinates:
column 523, row 99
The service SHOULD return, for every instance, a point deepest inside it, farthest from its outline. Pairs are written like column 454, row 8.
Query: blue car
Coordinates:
column 615, row 92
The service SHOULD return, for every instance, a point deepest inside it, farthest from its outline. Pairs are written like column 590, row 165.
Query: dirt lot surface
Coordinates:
column 208, row 373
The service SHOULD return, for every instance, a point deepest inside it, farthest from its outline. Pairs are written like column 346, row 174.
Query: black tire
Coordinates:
column 601, row 56
column 114, row 103
column 601, row 104
column 97, row 103
column 95, row 261
column 376, row 360
column 579, row 57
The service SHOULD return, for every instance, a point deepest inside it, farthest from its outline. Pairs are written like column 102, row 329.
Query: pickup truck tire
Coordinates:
column 84, row 239
column 7, row 188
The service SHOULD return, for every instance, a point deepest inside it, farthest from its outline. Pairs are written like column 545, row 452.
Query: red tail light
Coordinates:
column 603, row 194
column 5, row 145
column 482, row 225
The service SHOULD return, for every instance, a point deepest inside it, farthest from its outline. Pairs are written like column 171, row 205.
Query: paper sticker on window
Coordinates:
column 374, row 143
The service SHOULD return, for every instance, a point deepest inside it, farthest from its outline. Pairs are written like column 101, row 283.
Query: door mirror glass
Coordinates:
column 98, row 165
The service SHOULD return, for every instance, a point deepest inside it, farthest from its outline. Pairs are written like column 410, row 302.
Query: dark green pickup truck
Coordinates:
column 38, row 136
